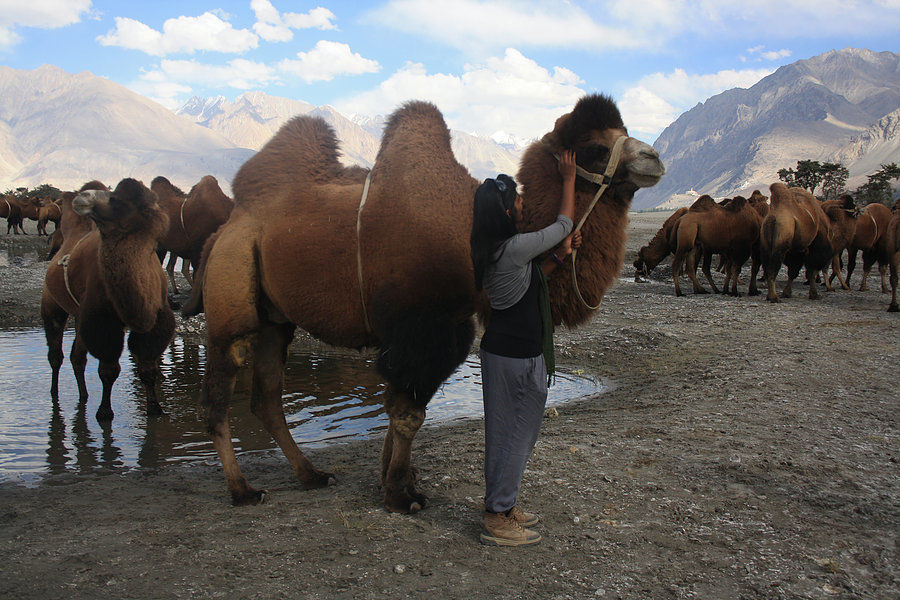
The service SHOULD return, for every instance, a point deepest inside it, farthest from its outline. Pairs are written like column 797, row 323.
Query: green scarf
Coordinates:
column 546, row 320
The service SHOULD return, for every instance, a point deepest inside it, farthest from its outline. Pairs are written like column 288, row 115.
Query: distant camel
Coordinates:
column 796, row 232
column 384, row 261
column 888, row 253
column 108, row 277
column 730, row 230
column 843, row 216
column 11, row 210
column 658, row 248
column 49, row 211
column 193, row 217
column 870, row 226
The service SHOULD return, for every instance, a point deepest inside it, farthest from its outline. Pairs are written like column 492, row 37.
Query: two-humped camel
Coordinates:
column 384, row 262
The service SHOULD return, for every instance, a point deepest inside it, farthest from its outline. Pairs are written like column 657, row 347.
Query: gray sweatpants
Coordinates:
column 515, row 392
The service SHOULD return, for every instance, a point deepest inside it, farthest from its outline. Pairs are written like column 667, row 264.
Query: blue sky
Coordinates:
column 494, row 67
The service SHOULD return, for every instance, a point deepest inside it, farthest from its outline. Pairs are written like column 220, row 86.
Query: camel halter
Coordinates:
column 603, row 181
column 359, row 269
column 181, row 215
column 64, row 263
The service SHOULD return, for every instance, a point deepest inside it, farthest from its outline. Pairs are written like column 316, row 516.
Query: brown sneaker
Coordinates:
column 500, row 530
column 523, row 518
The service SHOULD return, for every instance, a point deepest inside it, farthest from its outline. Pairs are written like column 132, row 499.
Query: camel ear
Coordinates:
column 562, row 131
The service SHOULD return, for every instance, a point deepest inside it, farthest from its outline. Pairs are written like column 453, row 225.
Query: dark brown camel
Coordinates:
column 658, row 248
column 796, row 232
column 107, row 276
column 870, row 226
column 842, row 216
column 390, row 270
column 193, row 217
column 888, row 253
column 730, row 230
column 49, row 211
column 11, row 210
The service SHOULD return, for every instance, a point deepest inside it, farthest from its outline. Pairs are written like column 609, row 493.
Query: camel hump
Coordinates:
column 163, row 187
column 414, row 121
column 737, row 204
column 303, row 151
column 93, row 185
column 704, row 202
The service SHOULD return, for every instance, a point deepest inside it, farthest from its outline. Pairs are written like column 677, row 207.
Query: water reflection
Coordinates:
column 329, row 397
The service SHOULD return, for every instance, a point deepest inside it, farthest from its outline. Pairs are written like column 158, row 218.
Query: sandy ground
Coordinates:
column 747, row 450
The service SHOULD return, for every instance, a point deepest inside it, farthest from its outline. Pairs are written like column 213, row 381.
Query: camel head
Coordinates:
column 129, row 209
column 591, row 129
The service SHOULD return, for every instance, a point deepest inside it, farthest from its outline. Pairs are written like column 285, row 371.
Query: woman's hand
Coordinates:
column 567, row 165
column 572, row 241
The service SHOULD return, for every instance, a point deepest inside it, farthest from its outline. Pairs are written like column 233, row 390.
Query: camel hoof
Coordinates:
column 893, row 308
column 774, row 300
column 753, row 293
column 249, row 498
column 701, row 291
column 319, row 479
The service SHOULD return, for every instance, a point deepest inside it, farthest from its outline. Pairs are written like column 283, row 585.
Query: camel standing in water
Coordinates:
column 796, row 232
column 11, row 210
column 193, row 217
column 383, row 261
column 108, row 277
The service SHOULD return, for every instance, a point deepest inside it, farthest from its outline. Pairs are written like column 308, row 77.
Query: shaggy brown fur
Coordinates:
column 870, row 226
column 730, row 230
column 590, row 129
column 108, row 278
column 289, row 256
column 842, row 216
column 193, row 217
column 49, row 211
column 796, row 232
column 658, row 248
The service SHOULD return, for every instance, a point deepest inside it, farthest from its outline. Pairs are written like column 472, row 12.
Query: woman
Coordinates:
column 516, row 341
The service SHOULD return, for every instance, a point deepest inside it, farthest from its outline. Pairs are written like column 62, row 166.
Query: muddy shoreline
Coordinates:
column 746, row 450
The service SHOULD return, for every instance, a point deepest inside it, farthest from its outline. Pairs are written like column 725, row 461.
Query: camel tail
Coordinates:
column 194, row 304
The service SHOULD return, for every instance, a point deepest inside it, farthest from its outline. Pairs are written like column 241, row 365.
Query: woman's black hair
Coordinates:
column 491, row 224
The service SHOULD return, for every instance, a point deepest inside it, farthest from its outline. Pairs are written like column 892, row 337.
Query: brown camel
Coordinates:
column 888, row 253
column 193, row 217
column 842, row 216
column 108, row 278
column 658, row 248
column 730, row 230
column 796, row 232
column 382, row 261
column 870, row 226
column 49, row 211
column 11, row 210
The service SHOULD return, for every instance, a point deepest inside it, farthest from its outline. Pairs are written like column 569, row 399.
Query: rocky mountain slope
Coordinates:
column 65, row 129
column 810, row 109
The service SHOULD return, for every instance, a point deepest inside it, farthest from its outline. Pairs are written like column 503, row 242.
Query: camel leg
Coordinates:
column 399, row 480
column 223, row 360
column 813, row 288
column 676, row 271
column 692, row 273
column 837, row 271
column 882, row 270
column 54, row 320
column 269, row 356
column 147, row 348
column 752, row 289
column 707, row 263
column 868, row 263
column 78, row 359
column 186, row 265
column 170, row 271
column 894, row 307
column 851, row 264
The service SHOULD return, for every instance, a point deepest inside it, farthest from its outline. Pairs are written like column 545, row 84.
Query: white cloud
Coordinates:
column 512, row 93
column 44, row 14
column 180, row 35
column 776, row 54
column 656, row 100
column 171, row 80
column 478, row 24
column 326, row 61
column 273, row 26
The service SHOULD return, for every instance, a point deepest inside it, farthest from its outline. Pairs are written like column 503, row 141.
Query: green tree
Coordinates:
column 834, row 176
column 879, row 189
column 809, row 174
column 788, row 176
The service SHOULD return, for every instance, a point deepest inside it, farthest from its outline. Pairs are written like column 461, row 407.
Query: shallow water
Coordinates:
column 328, row 398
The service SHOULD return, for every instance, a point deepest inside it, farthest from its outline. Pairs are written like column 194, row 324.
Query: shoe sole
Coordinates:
column 530, row 523
column 488, row 540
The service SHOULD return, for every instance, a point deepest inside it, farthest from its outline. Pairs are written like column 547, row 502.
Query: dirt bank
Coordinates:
column 747, row 450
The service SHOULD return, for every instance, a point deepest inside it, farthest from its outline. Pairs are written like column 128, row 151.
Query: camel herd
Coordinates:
column 791, row 228
column 358, row 258
column 379, row 258
column 16, row 210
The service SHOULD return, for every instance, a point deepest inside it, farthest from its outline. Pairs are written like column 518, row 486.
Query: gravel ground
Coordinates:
column 745, row 450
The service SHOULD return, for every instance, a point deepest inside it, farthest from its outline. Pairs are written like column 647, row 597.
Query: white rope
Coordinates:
column 64, row 263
